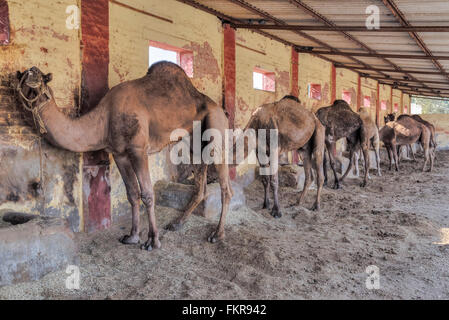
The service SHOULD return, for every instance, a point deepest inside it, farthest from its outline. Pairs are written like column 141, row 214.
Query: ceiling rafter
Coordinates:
column 296, row 27
column 277, row 21
column 391, row 5
column 323, row 19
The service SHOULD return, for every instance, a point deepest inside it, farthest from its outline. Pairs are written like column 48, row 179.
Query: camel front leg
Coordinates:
column 376, row 147
column 140, row 165
column 226, row 195
column 200, row 176
column 132, row 192
column 356, row 163
column 395, row 156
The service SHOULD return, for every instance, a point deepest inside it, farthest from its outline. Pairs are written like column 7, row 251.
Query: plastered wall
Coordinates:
column 39, row 37
column 313, row 70
column 254, row 50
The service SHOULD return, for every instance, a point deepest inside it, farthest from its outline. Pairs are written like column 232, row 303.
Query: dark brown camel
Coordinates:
column 300, row 130
column 405, row 131
column 133, row 120
column 341, row 122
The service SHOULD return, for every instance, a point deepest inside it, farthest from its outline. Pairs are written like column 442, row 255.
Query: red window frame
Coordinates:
column 314, row 91
column 347, row 96
column 367, row 102
column 184, row 56
column 268, row 80
column 396, row 107
column 383, row 105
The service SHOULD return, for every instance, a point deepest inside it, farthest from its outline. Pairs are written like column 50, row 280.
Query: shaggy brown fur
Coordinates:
column 133, row 120
column 341, row 122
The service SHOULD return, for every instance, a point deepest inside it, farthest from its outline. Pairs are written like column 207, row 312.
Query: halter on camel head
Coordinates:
column 37, row 83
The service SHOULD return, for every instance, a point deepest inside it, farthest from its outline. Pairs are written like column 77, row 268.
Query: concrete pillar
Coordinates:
column 94, row 85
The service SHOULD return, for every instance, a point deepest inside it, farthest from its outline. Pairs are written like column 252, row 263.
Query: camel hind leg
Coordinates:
column 217, row 120
column 200, row 176
column 306, row 156
column 376, row 147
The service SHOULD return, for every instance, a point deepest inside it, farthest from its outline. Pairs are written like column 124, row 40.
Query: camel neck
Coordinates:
column 83, row 134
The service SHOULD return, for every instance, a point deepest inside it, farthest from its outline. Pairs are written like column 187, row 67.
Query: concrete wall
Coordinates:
column 39, row 37
column 313, row 70
column 254, row 50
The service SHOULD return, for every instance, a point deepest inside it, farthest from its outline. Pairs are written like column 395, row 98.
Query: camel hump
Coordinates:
column 291, row 97
column 165, row 67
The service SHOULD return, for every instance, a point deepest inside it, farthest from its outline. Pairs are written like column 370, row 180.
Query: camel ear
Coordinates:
column 48, row 77
column 19, row 75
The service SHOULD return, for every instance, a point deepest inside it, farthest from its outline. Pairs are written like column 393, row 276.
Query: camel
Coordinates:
column 298, row 129
column 430, row 126
column 372, row 135
column 405, row 131
column 341, row 122
column 133, row 120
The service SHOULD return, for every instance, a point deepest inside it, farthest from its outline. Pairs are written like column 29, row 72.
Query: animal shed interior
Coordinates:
column 241, row 54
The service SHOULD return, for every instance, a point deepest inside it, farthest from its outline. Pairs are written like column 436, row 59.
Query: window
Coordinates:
column 396, row 107
column 405, row 109
column 4, row 23
column 367, row 102
column 314, row 91
column 346, row 95
column 383, row 105
column 163, row 52
column 264, row 80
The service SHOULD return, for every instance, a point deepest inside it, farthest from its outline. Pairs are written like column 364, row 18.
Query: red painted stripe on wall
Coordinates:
column 295, row 73
column 94, row 84
column 333, row 83
column 4, row 23
column 229, row 81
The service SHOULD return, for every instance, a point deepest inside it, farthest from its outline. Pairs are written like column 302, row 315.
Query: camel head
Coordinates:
column 33, row 84
column 34, row 92
column 389, row 117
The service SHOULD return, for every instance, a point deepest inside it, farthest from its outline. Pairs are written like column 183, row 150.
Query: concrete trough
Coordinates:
column 178, row 196
column 33, row 246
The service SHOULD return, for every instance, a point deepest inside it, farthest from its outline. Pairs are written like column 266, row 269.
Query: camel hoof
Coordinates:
column 128, row 239
column 276, row 213
column 216, row 236
column 152, row 243
column 174, row 226
column 316, row 207
column 336, row 186
column 363, row 184
column 266, row 205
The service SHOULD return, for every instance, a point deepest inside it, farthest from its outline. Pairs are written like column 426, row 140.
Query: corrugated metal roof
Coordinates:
column 353, row 13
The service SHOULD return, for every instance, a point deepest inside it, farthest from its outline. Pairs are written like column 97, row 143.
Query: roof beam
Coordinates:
column 409, row 80
column 323, row 19
column 291, row 27
column 375, row 55
column 404, row 22
column 277, row 21
column 342, row 65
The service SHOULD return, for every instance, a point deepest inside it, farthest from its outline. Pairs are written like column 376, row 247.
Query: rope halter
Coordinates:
column 42, row 90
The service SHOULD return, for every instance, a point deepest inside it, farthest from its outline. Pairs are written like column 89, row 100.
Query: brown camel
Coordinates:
column 133, row 120
column 430, row 126
column 372, row 135
column 405, row 131
column 298, row 129
column 341, row 122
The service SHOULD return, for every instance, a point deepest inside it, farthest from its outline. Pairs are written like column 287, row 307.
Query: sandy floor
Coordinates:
column 400, row 223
